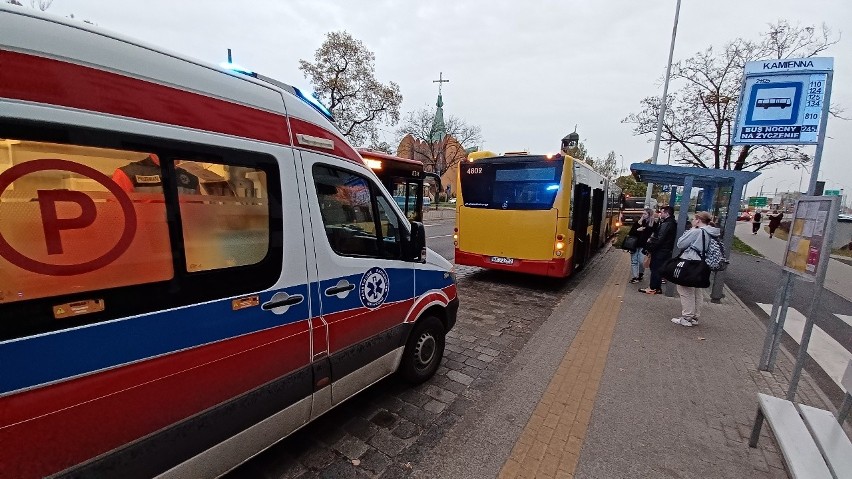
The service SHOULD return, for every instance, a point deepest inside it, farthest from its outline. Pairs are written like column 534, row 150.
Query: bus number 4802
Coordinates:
column 474, row 171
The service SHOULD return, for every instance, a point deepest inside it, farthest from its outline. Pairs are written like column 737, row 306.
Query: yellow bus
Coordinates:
column 536, row 214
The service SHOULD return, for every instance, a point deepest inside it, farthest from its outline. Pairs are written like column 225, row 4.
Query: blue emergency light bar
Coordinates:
column 311, row 100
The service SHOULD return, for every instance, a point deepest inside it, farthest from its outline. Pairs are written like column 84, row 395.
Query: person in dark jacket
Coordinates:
column 755, row 222
column 660, row 245
column 641, row 230
column 774, row 222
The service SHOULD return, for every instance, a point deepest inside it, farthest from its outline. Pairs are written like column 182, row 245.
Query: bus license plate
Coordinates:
column 502, row 260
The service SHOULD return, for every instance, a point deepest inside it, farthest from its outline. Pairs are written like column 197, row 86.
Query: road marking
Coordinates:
column 845, row 317
column 439, row 236
column 426, row 226
column 831, row 356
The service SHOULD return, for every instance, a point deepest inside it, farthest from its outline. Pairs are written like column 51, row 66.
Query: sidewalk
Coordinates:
column 838, row 278
column 608, row 387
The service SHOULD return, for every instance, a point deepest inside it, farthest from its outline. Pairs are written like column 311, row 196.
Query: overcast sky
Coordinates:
column 525, row 71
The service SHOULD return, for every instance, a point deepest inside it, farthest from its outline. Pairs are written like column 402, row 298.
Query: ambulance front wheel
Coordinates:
column 424, row 350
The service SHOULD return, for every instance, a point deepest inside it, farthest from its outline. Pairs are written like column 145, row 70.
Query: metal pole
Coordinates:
column 683, row 214
column 662, row 113
column 772, row 328
column 821, row 140
column 782, row 318
column 803, row 346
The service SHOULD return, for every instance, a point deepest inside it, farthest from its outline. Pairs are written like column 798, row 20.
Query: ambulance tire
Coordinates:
column 423, row 351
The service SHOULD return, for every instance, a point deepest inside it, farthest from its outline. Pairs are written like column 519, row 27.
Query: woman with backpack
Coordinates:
column 694, row 243
column 641, row 230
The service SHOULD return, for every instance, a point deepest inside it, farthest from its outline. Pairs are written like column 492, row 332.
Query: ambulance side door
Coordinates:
column 365, row 288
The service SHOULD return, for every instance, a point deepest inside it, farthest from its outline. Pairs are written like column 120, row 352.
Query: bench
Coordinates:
column 812, row 440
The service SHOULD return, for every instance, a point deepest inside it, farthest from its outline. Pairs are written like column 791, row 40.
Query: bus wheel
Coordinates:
column 424, row 350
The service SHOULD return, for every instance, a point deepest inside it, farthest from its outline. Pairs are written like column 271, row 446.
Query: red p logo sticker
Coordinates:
column 51, row 222
column 53, row 225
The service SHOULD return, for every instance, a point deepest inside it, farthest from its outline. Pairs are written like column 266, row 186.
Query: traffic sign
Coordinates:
column 831, row 193
column 783, row 101
column 758, row 201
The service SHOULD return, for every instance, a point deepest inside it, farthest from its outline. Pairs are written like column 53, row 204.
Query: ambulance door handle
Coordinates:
column 341, row 290
column 281, row 302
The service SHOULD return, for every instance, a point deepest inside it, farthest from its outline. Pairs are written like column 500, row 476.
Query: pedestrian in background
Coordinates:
column 642, row 229
column 693, row 244
column 660, row 246
column 774, row 222
column 755, row 222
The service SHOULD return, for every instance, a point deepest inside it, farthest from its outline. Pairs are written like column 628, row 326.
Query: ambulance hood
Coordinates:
column 434, row 259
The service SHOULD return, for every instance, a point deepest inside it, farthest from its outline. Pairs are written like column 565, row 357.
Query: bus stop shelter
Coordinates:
column 722, row 194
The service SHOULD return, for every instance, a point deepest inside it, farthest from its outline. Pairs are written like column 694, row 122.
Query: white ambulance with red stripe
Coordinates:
column 193, row 262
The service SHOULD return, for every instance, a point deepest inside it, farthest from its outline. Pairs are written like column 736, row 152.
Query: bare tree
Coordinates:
column 700, row 113
column 439, row 152
column 41, row 4
column 343, row 76
column 608, row 166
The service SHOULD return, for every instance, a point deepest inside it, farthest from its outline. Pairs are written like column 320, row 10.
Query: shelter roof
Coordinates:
column 701, row 177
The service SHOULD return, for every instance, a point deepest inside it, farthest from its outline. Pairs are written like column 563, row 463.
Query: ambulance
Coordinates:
column 194, row 263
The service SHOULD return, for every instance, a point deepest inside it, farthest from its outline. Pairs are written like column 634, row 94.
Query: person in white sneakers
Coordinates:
column 692, row 243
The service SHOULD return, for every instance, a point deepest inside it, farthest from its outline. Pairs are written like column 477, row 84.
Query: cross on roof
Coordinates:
column 439, row 81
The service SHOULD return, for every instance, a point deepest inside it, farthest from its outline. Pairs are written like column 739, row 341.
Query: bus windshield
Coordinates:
column 528, row 183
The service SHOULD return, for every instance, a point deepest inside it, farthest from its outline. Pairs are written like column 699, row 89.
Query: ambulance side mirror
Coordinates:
column 415, row 246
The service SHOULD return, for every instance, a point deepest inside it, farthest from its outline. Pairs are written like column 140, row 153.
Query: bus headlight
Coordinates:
column 560, row 246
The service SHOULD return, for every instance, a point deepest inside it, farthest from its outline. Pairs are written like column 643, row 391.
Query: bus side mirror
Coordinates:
column 416, row 243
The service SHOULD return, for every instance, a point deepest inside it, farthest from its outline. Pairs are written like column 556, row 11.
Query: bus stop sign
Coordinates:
column 783, row 101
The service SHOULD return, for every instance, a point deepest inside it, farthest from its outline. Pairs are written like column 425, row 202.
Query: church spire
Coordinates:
column 439, row 128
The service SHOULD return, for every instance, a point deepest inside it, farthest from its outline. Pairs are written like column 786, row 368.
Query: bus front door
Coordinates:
column 597, row 217
column 582, row 203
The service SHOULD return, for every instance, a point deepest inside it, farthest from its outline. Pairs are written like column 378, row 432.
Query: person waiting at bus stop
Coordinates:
column 641, row 230
column 693, row 244
column 660, row 245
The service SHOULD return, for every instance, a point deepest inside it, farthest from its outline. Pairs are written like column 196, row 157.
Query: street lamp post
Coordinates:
column 622, row 164
column 763, row 183
column 663, row 103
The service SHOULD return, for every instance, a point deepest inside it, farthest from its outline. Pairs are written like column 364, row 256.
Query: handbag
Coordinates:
column 687, row 272
column 646, row 263
column 630, row 243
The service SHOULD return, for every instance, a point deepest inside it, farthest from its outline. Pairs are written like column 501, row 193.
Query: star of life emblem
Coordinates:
column 374, row 287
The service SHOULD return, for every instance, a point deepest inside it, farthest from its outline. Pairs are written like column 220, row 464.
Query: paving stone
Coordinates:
column 414, row 398
column 475, row 363
column 351, row 447
column 387, row 443
column 406, row 429
column 396, row 471
column 417, row 415
column 384, row 419
column 361, row 428
column 459, row 377
column 374, row 461
column 440, row 394
column 318, row 458
column 342, row 469
column 435, row 406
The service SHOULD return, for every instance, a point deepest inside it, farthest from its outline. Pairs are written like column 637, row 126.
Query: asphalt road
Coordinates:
column 756, row 280
column 439, row 236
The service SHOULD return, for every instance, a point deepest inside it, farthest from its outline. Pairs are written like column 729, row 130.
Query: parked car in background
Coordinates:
column 744, row 216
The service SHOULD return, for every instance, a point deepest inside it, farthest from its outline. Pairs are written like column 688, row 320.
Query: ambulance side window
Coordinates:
column 356, row 221
column 389, row 227
column 224, row 214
